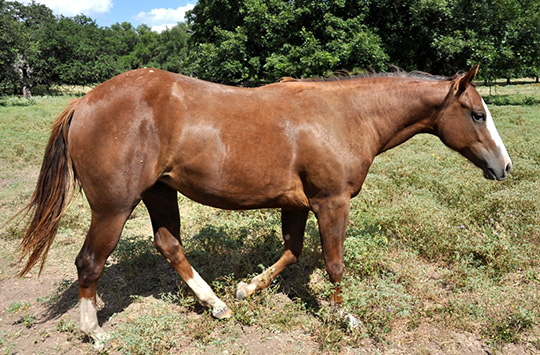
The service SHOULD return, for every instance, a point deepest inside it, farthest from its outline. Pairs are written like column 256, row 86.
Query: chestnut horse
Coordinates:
column 296, row 145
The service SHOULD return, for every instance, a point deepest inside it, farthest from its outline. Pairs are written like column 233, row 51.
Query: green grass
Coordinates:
column 429, row 241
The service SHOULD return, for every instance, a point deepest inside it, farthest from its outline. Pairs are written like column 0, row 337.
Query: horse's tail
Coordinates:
column 50, row 198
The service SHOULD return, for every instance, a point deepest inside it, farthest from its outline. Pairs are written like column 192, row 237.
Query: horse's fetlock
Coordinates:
column 335, row 271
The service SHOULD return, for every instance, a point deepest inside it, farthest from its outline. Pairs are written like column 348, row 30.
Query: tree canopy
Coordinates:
column 253, row 41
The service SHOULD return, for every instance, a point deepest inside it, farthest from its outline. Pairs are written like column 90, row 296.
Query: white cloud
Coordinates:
column 161, row 28
column 73, row 7
column 159, row 19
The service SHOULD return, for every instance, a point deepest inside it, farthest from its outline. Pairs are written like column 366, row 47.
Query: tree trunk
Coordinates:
column 25, row 80
column 26, row 91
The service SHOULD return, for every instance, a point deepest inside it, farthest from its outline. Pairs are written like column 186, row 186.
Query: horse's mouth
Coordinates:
column 490, row 174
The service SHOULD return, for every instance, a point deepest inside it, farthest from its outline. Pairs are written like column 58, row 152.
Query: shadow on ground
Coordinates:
column 219, row 254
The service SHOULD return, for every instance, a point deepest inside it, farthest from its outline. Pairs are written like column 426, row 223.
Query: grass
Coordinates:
column 429, row 242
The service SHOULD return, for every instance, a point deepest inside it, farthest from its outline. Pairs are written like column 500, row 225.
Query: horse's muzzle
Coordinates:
column 490, row 174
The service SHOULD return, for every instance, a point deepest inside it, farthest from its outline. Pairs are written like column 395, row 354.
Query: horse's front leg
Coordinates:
column 161, row 202
column 332, row 216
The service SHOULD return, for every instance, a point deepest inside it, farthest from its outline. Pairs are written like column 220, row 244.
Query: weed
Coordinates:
column 508, row 328
column 28, row 320
column 245, row 313
column 66, row 326
column 16, row 101
column 287, row 317
column 148, row 329
column 55, row 296
column 377, row 303
column 136, row 253
column 330, row 335
column 7, row 345
column 13, row 232
column 17, row 306
column 364, row 249
column 43, row 335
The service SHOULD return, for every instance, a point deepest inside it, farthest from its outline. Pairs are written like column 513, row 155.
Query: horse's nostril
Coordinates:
column 508, row 167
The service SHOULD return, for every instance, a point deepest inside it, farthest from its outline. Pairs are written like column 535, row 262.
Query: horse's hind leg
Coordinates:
column 102, row 238
column 161, row 202
column 293, row 225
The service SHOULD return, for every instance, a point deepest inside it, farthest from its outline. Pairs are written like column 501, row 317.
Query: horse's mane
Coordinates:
column 398, row 73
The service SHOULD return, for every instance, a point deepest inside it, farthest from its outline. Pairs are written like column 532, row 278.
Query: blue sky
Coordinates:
column 157, row 14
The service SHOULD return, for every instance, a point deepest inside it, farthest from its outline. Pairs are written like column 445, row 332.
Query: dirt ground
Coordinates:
column 39, row 315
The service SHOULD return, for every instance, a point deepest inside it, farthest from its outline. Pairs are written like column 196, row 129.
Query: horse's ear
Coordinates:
column 466, row 80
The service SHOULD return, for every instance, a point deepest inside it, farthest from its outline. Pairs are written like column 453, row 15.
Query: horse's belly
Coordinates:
column 237, row 192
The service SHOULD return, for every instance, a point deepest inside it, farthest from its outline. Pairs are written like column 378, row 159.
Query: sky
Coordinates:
column 158, row 14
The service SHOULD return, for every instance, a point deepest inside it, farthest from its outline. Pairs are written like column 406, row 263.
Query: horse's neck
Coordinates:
column 396, row 113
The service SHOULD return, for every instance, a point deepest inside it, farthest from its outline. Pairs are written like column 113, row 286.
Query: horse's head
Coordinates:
column 465, row 125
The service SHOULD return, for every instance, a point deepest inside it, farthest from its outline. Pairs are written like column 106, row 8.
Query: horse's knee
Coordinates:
column 335, row 271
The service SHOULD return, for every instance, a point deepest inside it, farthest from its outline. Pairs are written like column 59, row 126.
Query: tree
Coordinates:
column 145, row 49
column 10, row 30
column 122, row 38
column 251, row 41
column 23, row 24
column 444, row 36
column 75, row 51
column 326, row 37
column 172, row 48
column 258, row 40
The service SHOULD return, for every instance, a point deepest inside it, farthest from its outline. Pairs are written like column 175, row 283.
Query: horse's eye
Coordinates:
column 478, row 116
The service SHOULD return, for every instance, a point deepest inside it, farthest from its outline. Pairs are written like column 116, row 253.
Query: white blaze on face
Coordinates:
column 495, row 135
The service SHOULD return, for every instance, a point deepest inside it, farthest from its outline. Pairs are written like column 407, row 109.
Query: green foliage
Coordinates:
column 265, row 40
column 28, row 318
column 509, row 327
column 41, row 49
column 149, row 332
column 74, row 51
column 23, row 24
column 513, row 100
column 66, row 326
column 17, row 306
column 442, row 36
column 135, row 253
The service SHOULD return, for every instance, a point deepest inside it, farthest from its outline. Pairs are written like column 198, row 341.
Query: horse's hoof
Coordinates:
column 222, row 313
column 351, row 321
column 241, row 292
column 102, row 341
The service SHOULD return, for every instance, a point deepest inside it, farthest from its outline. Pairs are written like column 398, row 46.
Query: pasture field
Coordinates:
column 438, row 259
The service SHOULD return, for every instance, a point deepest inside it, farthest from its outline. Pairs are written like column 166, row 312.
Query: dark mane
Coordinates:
column 396, row 74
